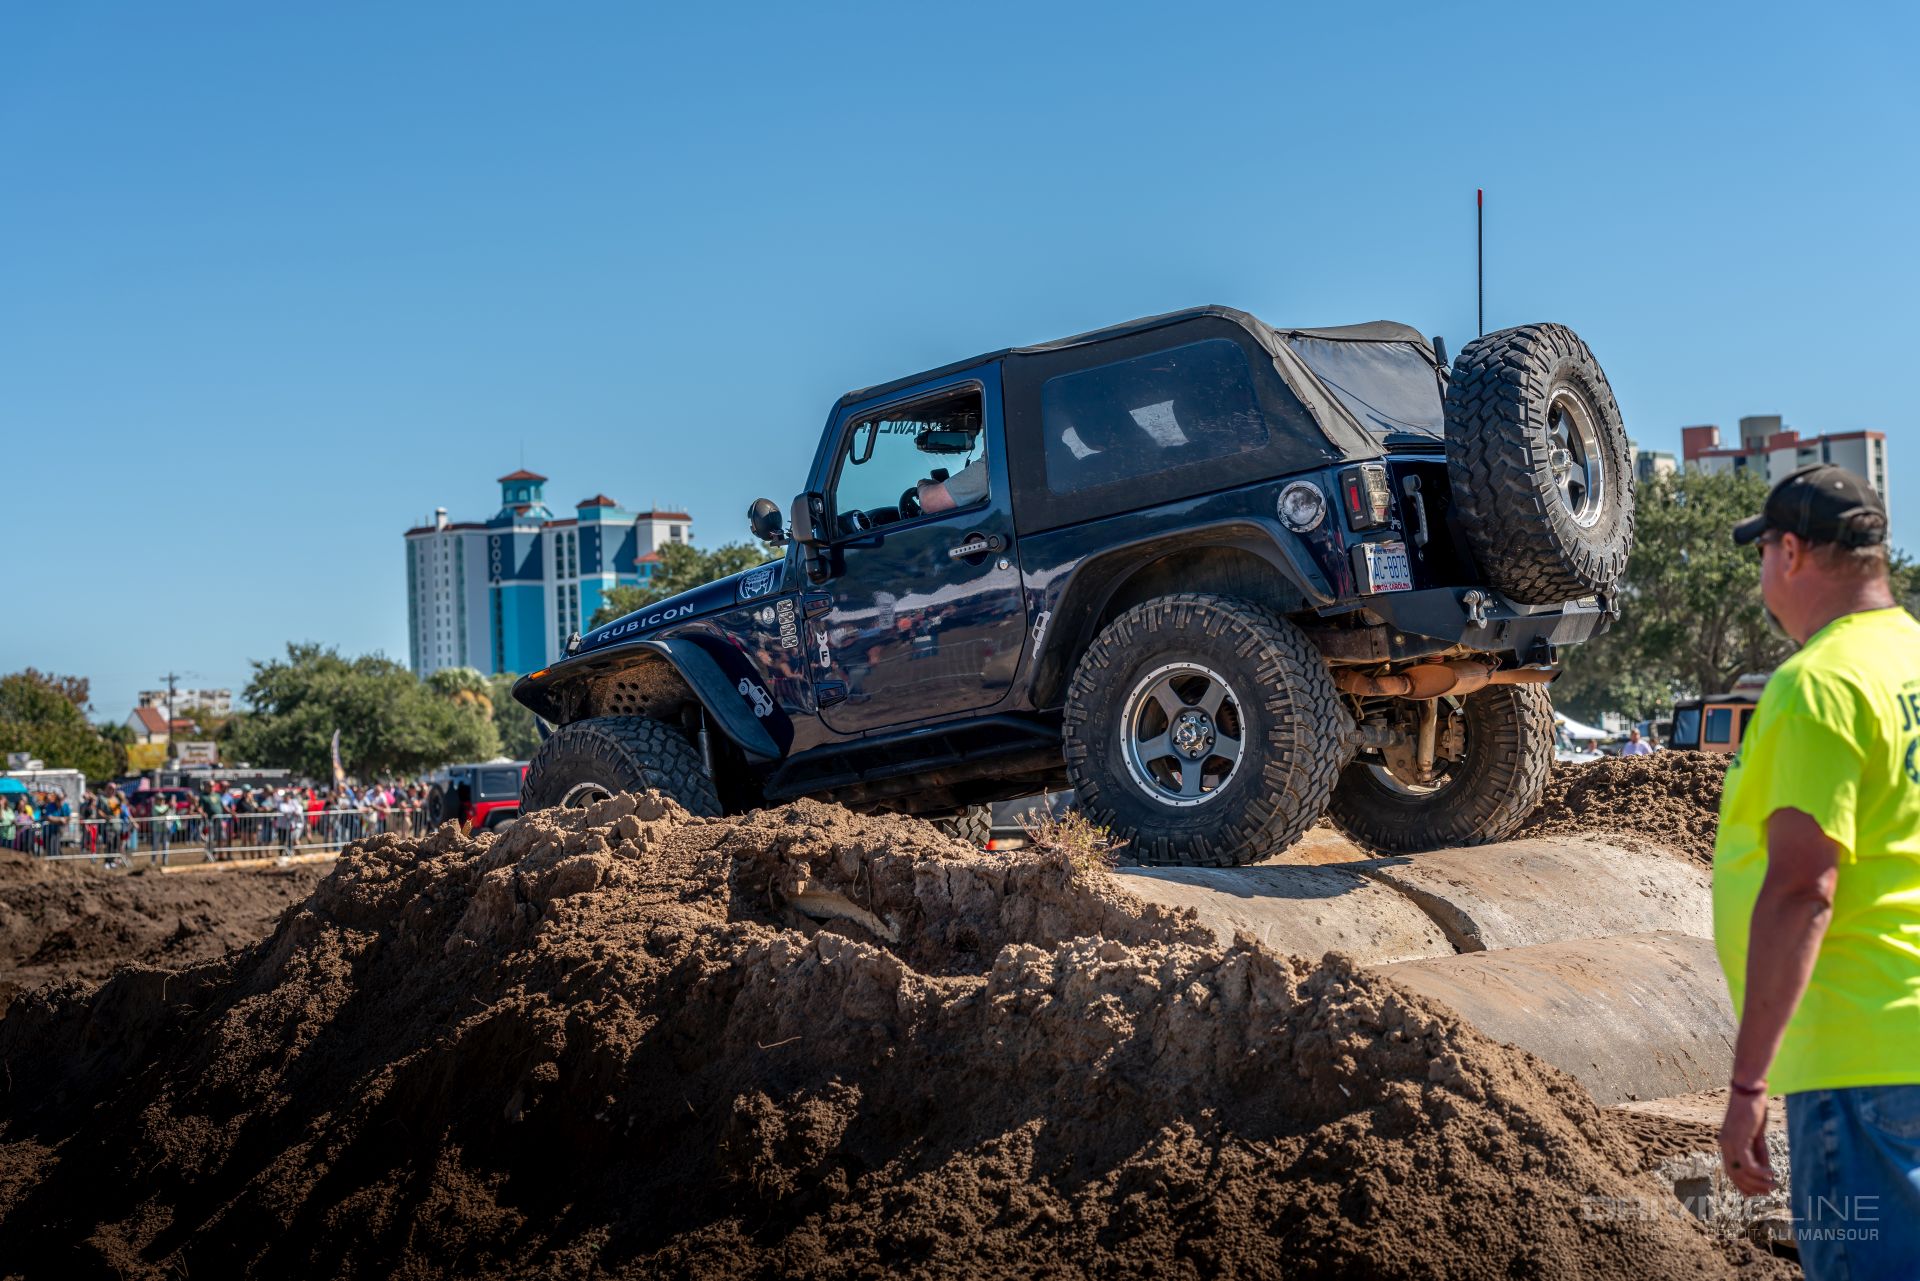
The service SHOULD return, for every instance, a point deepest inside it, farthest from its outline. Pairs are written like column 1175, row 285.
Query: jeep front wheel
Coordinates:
column 974, row 825
column 1483, row 795
column 591, row 760
column 1203, row 730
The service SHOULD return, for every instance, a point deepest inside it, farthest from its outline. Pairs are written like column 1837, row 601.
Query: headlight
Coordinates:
column 1302, row 506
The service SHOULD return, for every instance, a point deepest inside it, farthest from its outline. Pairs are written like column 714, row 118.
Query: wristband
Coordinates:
column 1749, row 1090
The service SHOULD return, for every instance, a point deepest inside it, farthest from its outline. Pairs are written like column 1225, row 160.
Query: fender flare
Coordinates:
column 555, row 694
column 1092, row 585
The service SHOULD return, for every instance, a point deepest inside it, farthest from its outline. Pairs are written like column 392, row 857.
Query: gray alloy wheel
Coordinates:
column 1181, row 733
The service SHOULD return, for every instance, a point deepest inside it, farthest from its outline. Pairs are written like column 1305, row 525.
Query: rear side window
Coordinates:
column 498, row 784
column 1388, row 386
column 1719, row 724
column 1149, row 415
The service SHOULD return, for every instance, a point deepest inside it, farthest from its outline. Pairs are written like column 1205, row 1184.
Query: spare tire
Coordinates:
column 1541, row 469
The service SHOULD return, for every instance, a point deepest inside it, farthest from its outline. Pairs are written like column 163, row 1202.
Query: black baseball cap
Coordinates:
column 1823, row 504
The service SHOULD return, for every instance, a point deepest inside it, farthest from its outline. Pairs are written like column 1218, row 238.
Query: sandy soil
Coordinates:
column 802, row 1043
column 1671, row 799
column 71, row 921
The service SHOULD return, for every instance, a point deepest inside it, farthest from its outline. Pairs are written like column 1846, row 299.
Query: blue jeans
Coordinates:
column 1855, row 1182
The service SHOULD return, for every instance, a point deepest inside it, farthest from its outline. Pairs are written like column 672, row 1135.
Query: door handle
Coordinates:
column 976, row 545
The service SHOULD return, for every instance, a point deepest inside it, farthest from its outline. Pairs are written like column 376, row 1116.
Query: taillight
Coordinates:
column 1365, row 494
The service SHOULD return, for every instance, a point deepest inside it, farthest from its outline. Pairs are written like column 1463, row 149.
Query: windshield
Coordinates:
column 1389, row 386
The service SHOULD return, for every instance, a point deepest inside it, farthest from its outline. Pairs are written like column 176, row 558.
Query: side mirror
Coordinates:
column 763, row 518
column 809, row 517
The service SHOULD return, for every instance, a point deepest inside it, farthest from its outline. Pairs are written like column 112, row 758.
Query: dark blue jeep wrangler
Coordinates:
column 1221, row 579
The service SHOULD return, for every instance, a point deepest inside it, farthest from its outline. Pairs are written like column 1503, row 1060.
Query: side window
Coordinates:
column 1719, row 724
column 1150, row 414
column 910, row 460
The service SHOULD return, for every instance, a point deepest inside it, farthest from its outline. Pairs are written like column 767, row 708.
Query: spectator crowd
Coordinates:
column 220, row 822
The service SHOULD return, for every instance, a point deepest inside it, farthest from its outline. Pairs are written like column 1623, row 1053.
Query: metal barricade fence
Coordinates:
column 196, row 837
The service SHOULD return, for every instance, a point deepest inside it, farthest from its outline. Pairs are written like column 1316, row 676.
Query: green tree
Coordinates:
column 512, row 720
column 390, row 722
column 682, row 567
column 46, row 715
column 1691, row 617
column 1906, row 582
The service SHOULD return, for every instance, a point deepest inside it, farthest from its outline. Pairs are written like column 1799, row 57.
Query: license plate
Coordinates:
column 1387, row 569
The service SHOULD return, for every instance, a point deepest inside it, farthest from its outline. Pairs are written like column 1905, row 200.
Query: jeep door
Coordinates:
column 924, row 615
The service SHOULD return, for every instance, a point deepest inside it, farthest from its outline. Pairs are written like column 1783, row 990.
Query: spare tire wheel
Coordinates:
column 1541, row 470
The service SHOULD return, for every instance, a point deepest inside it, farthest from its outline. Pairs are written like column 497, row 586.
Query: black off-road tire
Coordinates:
column 1486, row 796
column 1293, row 724
column 618, row 754
column 438, row 811
column 974, row 825
column 1501, row 461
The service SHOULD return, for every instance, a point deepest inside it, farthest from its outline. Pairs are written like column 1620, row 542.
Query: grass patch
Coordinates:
column 1074, row 839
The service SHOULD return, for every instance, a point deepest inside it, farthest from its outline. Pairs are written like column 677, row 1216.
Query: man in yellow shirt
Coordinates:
column 1816, row 887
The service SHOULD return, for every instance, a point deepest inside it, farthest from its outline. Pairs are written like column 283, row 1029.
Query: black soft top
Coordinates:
column 1271, row 338
column 1327, row 395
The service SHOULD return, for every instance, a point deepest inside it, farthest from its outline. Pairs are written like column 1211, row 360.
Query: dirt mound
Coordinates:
column 632, row 1043
column 1671, row 798
column 68, row 921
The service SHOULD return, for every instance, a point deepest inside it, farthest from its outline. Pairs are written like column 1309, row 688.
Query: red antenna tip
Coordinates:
column 1479, row 196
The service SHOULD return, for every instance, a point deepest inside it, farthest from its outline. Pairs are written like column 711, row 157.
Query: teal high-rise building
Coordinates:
column 505, row 594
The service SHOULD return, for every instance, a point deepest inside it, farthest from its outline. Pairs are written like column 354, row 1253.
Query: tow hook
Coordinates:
column 1475, row 602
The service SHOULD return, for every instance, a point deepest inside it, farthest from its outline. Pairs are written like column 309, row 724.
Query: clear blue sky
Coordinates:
column 277, row 280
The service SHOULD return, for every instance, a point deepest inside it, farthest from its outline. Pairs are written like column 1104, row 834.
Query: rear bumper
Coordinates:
column 1426, row 622
column 487, row 813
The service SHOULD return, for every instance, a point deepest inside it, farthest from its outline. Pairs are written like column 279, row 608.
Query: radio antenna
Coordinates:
column 1480, row 254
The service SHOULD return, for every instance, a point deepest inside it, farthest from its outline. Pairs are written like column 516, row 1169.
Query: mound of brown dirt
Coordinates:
column 629, row 1043
column 1670, row 798
column 68, row 921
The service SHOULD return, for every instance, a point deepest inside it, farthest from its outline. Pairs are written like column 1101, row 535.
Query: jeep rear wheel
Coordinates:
column 1540, row 464
column 1203, row 730
column 1483, row 796
column 590, row 760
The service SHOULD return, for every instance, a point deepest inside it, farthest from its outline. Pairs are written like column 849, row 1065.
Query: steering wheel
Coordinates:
column 910, row 503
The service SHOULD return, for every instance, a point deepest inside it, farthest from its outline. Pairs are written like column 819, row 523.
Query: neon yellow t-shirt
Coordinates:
column 1836, row 735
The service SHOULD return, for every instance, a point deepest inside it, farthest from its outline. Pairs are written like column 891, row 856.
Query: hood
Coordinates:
column 708, row 598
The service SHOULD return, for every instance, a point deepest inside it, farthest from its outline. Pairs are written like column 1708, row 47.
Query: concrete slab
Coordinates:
column 1634, row 1017
column 1308, row 911
column 1519, row 893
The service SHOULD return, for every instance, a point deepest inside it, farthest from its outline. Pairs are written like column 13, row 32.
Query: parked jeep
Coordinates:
column 483, row 795
column 1219, row 578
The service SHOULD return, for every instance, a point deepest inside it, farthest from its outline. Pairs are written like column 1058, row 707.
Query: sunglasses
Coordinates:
column 1763, row 542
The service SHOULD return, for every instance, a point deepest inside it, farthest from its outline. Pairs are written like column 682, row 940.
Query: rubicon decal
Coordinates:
column 628, row 626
